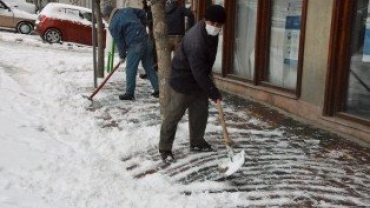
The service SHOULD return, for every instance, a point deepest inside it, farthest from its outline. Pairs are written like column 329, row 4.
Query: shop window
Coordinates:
column 284, row 43
column 358, row 92
column 266, row 41
column 348, row 89
column 244, row 38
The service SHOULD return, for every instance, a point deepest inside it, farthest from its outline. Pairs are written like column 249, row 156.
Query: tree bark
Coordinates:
column 101, row 40
column 164, row 55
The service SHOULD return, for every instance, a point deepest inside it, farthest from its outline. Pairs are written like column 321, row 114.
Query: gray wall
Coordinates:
column 317, row 37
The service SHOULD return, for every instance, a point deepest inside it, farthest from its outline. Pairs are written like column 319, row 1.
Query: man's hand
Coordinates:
column 217, row 101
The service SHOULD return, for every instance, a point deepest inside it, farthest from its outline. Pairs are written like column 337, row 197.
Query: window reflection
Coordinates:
column 358, row 94
column 245, row 35
column 284, row 43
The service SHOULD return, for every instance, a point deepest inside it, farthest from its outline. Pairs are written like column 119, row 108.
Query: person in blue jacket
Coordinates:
column 128, row 29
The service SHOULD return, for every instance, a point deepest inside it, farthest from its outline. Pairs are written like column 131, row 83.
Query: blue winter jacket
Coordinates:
column 128, row 28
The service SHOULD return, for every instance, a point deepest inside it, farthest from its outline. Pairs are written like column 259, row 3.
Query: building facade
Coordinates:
column 310, row 58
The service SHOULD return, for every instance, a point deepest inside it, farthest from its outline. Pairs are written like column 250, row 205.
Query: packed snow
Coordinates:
column 54, row 152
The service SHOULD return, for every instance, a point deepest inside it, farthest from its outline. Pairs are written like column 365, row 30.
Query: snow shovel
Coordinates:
column 103, row 83
column 234, row 161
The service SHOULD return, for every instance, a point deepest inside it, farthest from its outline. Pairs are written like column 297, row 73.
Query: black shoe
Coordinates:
column 155, row 94
column 126, row 97
column 166, row 156
column 201, row 148
column 143, row 76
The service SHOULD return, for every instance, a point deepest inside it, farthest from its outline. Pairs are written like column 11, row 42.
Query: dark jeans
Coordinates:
column 197, row 105
column 143, row 52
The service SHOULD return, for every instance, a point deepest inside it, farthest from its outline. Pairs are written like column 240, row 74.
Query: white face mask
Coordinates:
column 212, row 30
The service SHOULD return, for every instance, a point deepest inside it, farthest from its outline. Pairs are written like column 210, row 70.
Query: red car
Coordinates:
column 59, row 22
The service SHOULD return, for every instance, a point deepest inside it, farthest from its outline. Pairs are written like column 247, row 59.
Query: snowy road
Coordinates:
column 55, row 152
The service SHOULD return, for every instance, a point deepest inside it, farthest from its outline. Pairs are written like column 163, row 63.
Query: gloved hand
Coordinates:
column 218, row 99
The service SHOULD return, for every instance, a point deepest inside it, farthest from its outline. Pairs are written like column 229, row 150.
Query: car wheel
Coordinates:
column 53, row 36
column 24, row 27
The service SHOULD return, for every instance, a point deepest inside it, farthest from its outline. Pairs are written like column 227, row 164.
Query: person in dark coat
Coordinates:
column 191, row 84
column 175, row 20
column 128, row 29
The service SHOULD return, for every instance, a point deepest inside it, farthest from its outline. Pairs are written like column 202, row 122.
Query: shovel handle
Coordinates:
column 103, row 83
column 223, row 124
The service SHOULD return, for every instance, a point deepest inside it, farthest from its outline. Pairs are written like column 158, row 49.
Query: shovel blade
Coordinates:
column 232, row 164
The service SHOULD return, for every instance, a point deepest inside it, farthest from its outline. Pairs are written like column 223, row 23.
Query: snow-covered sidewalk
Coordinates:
column 56, row 152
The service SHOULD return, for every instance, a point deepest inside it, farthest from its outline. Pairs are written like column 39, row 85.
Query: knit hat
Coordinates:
column 107, row 10
column 215, row 13
column 138, row 4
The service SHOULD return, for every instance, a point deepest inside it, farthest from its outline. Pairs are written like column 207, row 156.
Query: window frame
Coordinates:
column 262, row 46
column 339, row 62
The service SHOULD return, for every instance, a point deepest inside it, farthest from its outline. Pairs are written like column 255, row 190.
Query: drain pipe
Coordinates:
column 94, row 44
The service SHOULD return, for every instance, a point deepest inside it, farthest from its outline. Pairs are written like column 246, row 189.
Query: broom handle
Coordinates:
column 223, row 124
column 105, row 80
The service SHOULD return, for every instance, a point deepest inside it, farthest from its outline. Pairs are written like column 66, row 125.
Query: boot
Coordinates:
column 126, row 97
column 143, row 76
column 201, row 148
column 166, row 156
column 155, row 94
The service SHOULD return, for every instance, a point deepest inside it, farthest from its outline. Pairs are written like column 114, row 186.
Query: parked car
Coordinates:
column 22, row 5
column 62, row 22
column 22, row 21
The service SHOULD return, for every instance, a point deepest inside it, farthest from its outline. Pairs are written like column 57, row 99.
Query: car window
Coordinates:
column 2, row 5
column 72, row 12
column 87, row 16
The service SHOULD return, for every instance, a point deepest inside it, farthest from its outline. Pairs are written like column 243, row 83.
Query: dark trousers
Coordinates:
column 197, row 105
column 174, row 42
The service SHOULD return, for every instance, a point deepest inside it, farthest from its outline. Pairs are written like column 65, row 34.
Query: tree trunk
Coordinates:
column 101, row 40
column 164, row 55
